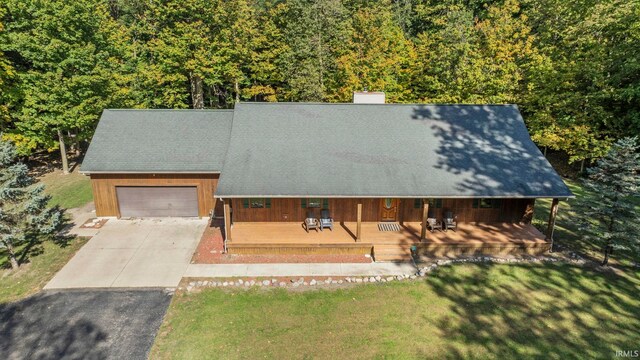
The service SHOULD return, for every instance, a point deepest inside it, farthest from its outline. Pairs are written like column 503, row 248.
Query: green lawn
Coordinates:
column 68, row 191
column 470, row 311
column 31, row 277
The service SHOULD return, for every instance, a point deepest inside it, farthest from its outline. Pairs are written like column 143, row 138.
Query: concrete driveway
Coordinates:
column 133, row 253
column 82, row 324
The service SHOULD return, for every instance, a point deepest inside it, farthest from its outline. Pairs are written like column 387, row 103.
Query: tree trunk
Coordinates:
column 197, row 94
column 12, row 257
column 63, row 153
column 582, row 165
column 237, row 90
column 76, row 143
column 607, row 252
column 545, row 151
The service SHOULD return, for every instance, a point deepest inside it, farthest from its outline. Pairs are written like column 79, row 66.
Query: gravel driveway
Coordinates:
column 82, row 324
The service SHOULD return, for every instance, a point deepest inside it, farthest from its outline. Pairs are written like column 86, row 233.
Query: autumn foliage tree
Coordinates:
column 570, row 65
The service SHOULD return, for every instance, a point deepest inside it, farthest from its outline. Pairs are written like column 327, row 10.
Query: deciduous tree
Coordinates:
column 377, row 57
column 315, row 32
column 61, row 52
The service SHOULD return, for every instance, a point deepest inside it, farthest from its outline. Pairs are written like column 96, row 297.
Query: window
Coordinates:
column 314, row 203
column 388, row 202
column 486, row 203
column 256, row 203
column 433, row 203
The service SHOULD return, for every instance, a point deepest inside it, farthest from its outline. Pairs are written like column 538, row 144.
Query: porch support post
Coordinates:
column 359, row 226
column 425, row 214
column 552, row 221
column 227, row 220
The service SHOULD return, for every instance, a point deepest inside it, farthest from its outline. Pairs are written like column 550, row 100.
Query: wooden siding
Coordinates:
column 510, row 211
column 290, row 209
column 106, row 200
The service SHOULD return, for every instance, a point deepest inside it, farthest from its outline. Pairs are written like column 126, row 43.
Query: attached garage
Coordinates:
column 157, row 163
column 157, row 201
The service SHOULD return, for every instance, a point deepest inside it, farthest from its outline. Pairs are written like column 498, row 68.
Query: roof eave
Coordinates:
column 510, row 196
column 89, row 172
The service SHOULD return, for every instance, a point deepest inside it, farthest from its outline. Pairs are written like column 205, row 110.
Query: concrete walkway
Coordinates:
column 133, row 253
column 79, row 216
column 268, row 270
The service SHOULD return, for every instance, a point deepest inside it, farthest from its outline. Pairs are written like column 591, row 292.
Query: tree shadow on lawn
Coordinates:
column 555, row 311
column 26, row 252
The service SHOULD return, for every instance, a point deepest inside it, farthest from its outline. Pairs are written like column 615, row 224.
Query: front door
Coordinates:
column 389, row 209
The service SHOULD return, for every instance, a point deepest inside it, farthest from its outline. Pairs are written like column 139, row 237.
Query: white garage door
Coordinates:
column 157, row 201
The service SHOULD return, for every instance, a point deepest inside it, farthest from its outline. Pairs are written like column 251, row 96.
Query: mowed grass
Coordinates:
column 68, row 191
column 31, row 277
column 463, row 311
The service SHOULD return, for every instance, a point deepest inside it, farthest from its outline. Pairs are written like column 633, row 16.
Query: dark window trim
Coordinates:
column 247, row 203
column 324, row 203
column 492, row 203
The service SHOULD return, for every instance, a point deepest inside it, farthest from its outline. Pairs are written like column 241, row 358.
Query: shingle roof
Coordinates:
column 386, row 150
column 159, row 141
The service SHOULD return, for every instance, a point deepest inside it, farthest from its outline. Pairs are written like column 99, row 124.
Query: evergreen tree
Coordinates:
column 611, row 218
column 25, row 217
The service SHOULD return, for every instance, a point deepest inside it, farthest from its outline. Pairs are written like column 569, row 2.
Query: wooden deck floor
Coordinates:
column 294, row 233
column 469, row 240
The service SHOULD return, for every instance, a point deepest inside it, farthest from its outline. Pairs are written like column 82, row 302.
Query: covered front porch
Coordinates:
column 502, row 227
column 395, row 245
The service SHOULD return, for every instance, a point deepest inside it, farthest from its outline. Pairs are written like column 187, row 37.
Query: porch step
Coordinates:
column 392, row 258
column 392, row 253
column 299, row 249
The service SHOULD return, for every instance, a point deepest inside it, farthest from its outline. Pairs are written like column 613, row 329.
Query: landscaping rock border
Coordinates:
column 422, row 271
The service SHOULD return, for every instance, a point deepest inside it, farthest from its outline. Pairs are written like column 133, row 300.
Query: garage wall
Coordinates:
column 105, row 198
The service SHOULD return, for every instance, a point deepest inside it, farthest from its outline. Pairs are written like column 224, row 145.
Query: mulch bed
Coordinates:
column 210, row 250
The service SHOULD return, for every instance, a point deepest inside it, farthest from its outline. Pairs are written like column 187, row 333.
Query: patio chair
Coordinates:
column 434, row 224
column 311, row 222
column 326, row 221
column 450, row 221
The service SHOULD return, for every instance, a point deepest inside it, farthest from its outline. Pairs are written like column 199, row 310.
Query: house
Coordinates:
column 380, row 169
